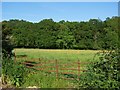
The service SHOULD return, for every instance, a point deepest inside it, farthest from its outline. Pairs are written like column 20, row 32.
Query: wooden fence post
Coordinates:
column 78, row 69
column 56, row 69
column 40, row 60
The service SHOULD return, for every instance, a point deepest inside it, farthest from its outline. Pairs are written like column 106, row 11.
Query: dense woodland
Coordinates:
column 48, row 34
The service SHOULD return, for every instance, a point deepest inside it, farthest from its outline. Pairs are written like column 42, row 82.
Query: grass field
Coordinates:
column 43, row 80
column 63, row 55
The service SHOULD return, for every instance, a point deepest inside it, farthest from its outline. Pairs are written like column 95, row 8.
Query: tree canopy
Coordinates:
column 48, row 34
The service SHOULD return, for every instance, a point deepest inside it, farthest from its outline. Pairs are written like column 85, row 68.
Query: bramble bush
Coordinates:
column 103, row 74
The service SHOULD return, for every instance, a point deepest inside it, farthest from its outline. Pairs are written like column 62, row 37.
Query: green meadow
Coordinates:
column 62, row 55
column 48, row 80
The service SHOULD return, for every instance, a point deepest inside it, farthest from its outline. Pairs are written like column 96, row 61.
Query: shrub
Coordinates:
column 104, row 73
column 6, row 49
column 12, row 73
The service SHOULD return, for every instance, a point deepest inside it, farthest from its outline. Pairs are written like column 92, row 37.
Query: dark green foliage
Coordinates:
column 103, row 74
column 7, row 46
column 94, row 34
column 13, row 73
column 65, row 39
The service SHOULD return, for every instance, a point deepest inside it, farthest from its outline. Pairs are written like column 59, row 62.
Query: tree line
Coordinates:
column 94, row 34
